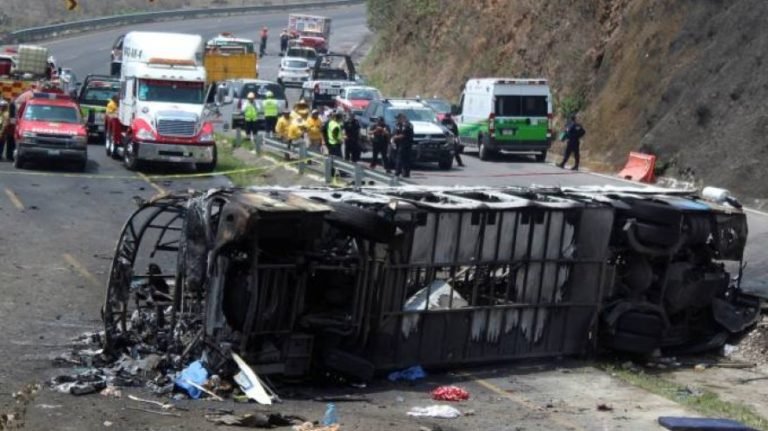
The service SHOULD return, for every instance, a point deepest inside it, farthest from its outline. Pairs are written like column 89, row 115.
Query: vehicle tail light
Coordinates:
column 492, row 124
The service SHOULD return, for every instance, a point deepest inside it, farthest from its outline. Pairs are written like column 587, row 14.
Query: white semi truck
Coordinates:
column 162, row 103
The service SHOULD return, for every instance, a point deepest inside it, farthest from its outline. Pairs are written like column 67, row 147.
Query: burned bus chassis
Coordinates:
column 297, row 279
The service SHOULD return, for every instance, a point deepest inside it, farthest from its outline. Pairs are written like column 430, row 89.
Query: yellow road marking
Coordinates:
column 81, row 269
column 155, row 186
column 523, row 402
column 14, row 199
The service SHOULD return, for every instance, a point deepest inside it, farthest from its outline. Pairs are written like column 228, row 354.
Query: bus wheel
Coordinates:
column 541, row 157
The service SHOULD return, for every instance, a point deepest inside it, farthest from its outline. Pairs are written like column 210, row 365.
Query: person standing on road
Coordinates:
column 282, row 126
column 263, row 46
column 8, row 138
column 379, row 135
column 250, row 116
column 403, row 140
column 454, row 129
column 333, row 140
column 351, row 138
column 572, row 135
column 271, row 112
column 314, row 128
column 4, row 119
column 284, row 38
column 112, row 105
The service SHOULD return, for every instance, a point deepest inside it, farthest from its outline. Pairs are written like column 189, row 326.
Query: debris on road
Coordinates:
column 410, row 374
column 602, row 407
column 256, row 420
column 450, row 393
column 435, row 411
column 191, row 378
column 309, row 426
column 702, row 424
column 343, row 398
column 250, row 383
column 112, row 392
column 331, row 416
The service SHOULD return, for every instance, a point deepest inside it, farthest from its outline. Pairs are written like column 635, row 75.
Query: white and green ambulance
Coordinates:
column 505, row 114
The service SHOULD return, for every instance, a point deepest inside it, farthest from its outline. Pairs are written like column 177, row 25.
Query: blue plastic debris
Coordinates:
column 410, row 374
column 701, row 424
column 331, row 416
column 195, row 373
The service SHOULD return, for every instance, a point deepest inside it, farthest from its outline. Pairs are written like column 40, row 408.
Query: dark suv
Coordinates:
column 432, row 142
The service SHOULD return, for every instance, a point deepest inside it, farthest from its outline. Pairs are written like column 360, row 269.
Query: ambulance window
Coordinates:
column 508, row 106
column 534, row 106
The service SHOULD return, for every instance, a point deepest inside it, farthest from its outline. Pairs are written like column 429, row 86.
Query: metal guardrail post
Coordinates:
column 329, row 169
column 358, row 181
column 257, row 143
column 302, row 156
column 238, row 137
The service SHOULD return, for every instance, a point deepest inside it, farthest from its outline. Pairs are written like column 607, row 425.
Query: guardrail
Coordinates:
column 326, row 165
column 37, row 33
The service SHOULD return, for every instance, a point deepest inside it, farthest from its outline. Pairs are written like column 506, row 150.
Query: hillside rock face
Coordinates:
column 682, row 79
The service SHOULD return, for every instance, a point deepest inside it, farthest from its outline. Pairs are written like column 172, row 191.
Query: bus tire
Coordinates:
column 542, row 156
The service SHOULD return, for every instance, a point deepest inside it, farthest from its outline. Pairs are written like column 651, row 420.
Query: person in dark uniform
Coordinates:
column 453, row 128
column 572, row 135
column 379, row 135
column 284, row 38
column 403, row 140
column 351, row 138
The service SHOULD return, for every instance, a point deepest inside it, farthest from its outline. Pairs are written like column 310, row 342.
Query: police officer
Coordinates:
column 351, row 138
column 454, row 129
column 572, row 135
column 403, row 140
column 271, row 112
column 379, row 135
column 250, row 115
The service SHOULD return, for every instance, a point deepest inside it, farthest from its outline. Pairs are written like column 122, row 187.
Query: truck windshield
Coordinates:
column 413, row 114
column 54, row 114
column 521, row 106
column 362, row 94
column 98, row 95
column 157, row 90
column 438, row 105
column 260, row 90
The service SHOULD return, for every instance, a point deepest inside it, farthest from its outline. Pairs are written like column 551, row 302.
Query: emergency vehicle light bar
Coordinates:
column 50, row 96
column 171, row 61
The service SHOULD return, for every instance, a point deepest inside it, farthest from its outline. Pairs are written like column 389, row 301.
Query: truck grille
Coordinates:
column 167, row 127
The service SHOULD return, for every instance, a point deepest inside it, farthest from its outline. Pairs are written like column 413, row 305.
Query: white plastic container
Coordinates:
column 715, row 194
column 32, row 59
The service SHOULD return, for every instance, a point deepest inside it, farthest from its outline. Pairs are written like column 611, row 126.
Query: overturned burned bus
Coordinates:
column 299, row 279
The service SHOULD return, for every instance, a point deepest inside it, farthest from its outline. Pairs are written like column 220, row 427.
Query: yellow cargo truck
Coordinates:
column 228, row 57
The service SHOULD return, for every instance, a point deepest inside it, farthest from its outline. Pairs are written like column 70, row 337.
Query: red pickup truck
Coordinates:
column 49, row 126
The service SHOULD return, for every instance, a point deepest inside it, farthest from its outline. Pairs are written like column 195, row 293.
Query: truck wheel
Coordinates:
column 208, row 167
column 542, row 156
column 445, row 164
column 483, row 152
column 129, row 157
column 109, row 145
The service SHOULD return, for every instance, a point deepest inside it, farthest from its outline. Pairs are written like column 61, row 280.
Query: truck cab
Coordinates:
column 506, row 114
column 95, row 93
column 162, row 102
column 330, row 75
column 50, row 127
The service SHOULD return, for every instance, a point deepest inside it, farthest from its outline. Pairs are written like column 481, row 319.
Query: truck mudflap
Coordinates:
column 363, row 281
column 175, row 153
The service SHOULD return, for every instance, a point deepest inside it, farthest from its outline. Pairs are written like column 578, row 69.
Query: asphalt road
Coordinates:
column 59, row 227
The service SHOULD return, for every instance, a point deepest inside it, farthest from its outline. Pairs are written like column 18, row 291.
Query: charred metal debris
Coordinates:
column 361, row 281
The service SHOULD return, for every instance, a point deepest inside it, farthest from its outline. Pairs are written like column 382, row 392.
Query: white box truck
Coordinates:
column 162, row 103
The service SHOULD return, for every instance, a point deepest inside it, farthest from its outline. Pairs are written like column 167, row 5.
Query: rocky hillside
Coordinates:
column 16, row 14
column 682, row 79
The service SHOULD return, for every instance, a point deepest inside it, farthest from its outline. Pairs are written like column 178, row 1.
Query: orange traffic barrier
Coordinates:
column 639, row 167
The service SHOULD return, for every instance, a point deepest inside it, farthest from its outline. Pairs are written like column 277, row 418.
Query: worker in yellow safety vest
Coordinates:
column 333, row 141
column 112, row 105
column 300, row 110
column 281, row 128
column 250, row 116
column 271, row 111
column 314, row 127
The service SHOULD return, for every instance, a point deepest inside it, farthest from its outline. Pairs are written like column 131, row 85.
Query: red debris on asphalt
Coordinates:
column 450, row 393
